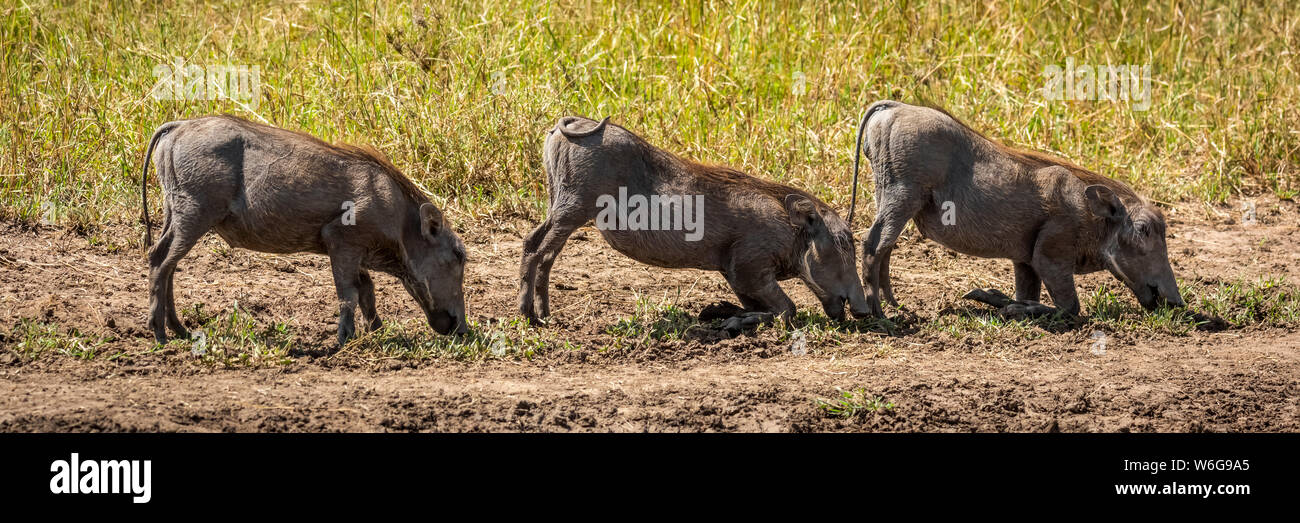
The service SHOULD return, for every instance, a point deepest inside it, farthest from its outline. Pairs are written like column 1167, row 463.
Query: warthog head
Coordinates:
column 435, row 264
column 827, row 262
column 1133, row 247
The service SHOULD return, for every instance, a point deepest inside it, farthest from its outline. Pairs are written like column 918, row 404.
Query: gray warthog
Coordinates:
column 975, row 196
column 272, row 190
column 644, row 201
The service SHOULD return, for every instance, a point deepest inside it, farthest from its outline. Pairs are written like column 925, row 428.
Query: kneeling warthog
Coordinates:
column 666, row 211
column 272, row 190
column 1052, row 219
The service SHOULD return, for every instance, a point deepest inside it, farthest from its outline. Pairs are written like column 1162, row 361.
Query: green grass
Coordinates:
column 1263, row 302
column 507, row 339
column 853, row 403
column 234, row 338
column 460, row 93
column 663, row 320
column 33, row 339
column 988, row 325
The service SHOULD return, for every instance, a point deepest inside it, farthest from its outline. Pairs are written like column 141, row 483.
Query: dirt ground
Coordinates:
column 1238, row 379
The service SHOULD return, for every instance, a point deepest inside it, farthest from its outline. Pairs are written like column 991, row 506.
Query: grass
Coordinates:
column 460, row 93
column 1262, row 302
column 988, row 325
column 506, row 339
column 33, row 339
column 853, row 403
column 663, row 320
column 233, row 338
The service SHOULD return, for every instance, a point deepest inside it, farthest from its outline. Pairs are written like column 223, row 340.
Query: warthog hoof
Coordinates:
column 720, row 310
column 1027, row 309
column 1008, row 307
column 991, row 297
column 746, row 321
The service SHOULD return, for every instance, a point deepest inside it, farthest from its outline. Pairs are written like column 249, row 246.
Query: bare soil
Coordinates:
column 1238, row 379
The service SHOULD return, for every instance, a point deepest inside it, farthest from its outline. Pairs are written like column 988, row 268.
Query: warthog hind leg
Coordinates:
column 180, row 233
column 898, row 204
column 541, row 248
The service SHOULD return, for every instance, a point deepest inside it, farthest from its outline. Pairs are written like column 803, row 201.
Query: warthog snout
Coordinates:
column 437, row 257
column 1164, row 297
column 444, row 322
column 856, row 302
column 1134, row 250
column 1154, row 296
column 861, row 310
column 829, row 263
column 834, row 308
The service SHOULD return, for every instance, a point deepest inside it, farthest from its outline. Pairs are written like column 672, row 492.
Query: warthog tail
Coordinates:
column 144, row 181
column 857, row 151
column 563, row 125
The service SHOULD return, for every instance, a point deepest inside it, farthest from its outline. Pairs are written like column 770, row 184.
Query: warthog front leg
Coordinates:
column 1007, row 307
column 366, row 299
column 345, row 264
column 759, row 292
column 1059, row 279
column 1056, row 271
column 1060, row 285
column 1028, row 290
column 1029, row 286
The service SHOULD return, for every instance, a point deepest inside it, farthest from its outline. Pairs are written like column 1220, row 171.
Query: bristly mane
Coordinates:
column 1038, row 160
column 364, row 153
column 368, row 153
column 723, row 175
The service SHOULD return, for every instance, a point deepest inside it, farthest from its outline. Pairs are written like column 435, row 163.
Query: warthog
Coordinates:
column 1052, row 219
column 274, row 190
column 754, row 232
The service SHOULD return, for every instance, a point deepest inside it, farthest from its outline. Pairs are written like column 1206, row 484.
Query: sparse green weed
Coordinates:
column 853, row 403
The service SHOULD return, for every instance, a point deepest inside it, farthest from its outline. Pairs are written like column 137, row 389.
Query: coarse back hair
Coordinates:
column 359, row 153
column 1038, row 160
column 723, row 176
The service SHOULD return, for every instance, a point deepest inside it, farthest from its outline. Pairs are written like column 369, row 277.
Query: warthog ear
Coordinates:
column 1103, row 203
column 803, row 212
column 430, row 219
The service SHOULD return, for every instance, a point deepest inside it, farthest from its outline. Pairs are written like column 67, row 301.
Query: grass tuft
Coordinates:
column 233, row 338
column 853, row 403
column 506, row 339
column 32, row 339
